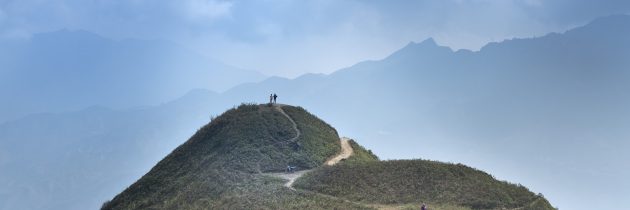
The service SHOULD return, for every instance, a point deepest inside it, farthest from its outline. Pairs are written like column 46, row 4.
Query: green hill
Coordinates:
column 234, row 162
column 415, row 181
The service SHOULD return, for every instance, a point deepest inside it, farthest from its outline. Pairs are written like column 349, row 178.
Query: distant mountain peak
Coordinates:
column 428, row 47
column 429, row 42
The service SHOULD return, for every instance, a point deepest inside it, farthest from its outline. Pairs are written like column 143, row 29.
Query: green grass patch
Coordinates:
column 415, row 181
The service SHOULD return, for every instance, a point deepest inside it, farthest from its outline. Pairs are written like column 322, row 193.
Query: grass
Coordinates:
column 400, row 182
column 417, row 206
column 220, row 163
column 269, row 193
column 360, row 155
column 318, row 141
column 221, row 166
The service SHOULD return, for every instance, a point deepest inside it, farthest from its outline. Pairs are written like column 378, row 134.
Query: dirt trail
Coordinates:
column 297, row 131
column 346, row 151
column 290, row 177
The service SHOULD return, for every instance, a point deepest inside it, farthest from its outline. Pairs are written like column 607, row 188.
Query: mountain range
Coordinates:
column 66, row 70
column 531, row 110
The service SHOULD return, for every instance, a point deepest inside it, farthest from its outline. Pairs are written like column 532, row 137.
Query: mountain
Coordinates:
column 70, row 70
column 223, row 160
column 79, row 159
column 547, row 111
column 226, row 165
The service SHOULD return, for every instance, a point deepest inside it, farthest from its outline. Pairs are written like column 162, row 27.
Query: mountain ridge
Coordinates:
column 101, row 71
column 232, row 151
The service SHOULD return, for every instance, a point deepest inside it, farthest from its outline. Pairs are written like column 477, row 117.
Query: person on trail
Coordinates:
column 274, row 98
column 423, row 207
column 270, row 98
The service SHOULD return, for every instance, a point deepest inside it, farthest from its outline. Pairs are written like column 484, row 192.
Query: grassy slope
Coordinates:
column 360, row 155
column 218, row 167
column 402, row 182
column 318, row 141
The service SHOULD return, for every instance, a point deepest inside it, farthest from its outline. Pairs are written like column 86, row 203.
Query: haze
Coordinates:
column 536, row 92
column 290, row 38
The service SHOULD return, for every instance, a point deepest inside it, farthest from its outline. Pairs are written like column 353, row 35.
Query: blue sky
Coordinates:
column 289, row 38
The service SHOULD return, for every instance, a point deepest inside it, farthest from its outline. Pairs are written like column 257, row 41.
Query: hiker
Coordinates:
column 423, row 207
column 274, row 98
column 270, row 98
column 290, row 169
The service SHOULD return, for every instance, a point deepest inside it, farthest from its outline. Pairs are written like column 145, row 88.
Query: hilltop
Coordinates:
column 233, row 162
column 224, row 164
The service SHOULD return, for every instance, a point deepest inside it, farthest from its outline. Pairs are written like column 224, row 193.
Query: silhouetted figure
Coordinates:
column 270, row 98
column 274, row 98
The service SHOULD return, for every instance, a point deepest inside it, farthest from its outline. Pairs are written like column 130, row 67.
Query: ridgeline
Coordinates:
column 234, row 161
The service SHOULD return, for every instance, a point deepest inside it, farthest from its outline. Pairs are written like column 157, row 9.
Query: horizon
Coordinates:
column 253, row 35
column 291, row 77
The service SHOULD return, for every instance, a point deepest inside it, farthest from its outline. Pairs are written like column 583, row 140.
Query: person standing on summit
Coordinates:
column 274, row 98
column 270, row 98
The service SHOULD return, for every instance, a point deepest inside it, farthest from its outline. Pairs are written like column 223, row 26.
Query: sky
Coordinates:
column 290, row 38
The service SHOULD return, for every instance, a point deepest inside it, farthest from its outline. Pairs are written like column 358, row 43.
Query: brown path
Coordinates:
column 297, row 131
column 346, row 152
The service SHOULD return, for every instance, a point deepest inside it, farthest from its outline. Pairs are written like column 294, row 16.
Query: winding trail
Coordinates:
column 346, row 151
column 278, row 107
column 297, row 131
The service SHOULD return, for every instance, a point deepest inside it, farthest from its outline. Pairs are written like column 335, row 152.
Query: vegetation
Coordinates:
column 318, row 141
column 360, row 155
column 223, row 166
column 269, row 193
column 221, row 163
column 413, row 181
